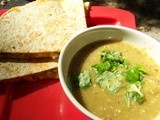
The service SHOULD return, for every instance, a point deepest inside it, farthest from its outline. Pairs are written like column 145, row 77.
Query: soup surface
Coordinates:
column 113, row 106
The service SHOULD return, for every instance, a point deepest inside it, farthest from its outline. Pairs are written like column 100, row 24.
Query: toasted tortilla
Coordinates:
column 31, row 69
column 41, row 27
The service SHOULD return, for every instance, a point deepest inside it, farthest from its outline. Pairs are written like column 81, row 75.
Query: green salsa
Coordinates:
column 116, row 80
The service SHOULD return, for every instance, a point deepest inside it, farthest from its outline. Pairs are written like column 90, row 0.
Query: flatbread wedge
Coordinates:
column 27, row 69
column 41, row 27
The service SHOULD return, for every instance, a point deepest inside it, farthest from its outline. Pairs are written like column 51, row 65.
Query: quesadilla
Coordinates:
column 27, row 69
column 40, row 28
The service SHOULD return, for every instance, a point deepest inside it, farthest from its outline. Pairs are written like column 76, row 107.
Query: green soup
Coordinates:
column 112, row 106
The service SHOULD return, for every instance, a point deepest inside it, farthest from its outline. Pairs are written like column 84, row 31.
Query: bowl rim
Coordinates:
column 61, row 78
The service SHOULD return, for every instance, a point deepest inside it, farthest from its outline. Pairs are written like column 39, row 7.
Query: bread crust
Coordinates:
column 40, row 27
column 27, row 68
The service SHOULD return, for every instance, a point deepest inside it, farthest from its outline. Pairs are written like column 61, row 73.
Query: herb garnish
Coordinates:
column 134, row 93
column 135, row 74
column 109, row 61
column 81, row 80
column 110, row 81
column 110, row 76
column 135, row 77
column 84, row 79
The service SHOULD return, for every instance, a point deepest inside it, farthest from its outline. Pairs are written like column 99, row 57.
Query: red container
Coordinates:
column 45, row 99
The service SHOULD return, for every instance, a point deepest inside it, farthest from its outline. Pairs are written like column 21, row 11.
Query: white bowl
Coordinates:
column 92, row 34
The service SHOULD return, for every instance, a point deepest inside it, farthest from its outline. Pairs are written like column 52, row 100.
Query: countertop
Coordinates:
column 147, row 12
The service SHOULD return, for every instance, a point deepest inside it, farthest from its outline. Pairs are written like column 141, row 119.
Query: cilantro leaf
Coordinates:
column 111, row 55
column 110, row 81
column 84, row 79
column 81, row 80
column 134, row 93
column 135, row 74
column 101, row 67
column 110, row 61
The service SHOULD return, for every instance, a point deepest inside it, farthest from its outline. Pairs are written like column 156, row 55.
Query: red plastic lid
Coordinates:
column 101, row 15
column 45, row 99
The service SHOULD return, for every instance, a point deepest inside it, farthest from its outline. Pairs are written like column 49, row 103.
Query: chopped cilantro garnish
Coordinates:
column 101, row 67
column 81, row 80
column 111, row 77
column 110, row 61
column 111, row 56
column 134, row 93
column 110, row 81
column 84, row 79
column 135, row 74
